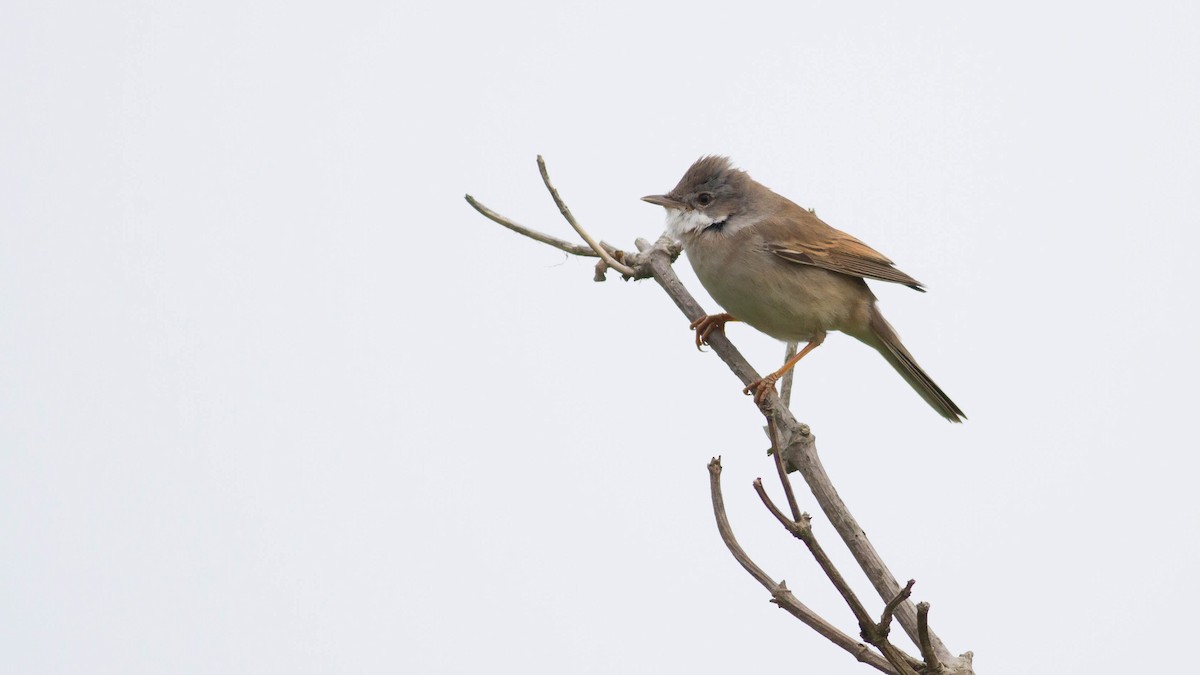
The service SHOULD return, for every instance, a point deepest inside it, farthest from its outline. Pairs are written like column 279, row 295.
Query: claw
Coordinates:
column 705, row 325
column 760, row 389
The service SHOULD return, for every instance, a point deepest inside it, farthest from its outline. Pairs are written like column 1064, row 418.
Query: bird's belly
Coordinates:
column 791, row 302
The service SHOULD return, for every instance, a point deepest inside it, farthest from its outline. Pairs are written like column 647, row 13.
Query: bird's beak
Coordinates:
column 665, row 201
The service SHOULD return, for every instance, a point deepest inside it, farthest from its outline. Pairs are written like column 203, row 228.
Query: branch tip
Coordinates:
column 933, row 664
column 885, row 621
column 566, row 213
column 566, row 246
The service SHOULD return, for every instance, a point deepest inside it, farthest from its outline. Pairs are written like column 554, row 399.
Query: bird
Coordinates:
column 777, row 267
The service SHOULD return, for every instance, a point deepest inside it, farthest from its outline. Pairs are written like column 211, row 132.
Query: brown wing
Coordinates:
column 807, row 240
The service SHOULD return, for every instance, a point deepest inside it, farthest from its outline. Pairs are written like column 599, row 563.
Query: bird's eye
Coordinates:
column 704, row 198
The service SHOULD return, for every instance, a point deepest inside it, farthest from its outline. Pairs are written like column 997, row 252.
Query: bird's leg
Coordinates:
column 767, row 384
column 705, row 325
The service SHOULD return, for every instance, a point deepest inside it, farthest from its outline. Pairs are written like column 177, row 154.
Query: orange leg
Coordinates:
column 767, row 384
column 705, row 325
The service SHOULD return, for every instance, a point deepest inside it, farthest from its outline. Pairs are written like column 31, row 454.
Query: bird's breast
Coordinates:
column 785, row 300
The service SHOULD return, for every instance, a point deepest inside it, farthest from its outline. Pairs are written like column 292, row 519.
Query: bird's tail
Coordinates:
column 885, row 340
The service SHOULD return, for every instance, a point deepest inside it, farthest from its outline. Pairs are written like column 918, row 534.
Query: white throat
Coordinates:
column 681, row 222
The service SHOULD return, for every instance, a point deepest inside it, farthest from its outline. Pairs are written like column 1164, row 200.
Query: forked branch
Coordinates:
column 797, row 452
column 566, row 212
column 780, row 595
column 800, row 526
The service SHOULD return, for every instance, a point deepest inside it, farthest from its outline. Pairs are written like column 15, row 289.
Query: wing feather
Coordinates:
column 812, row 242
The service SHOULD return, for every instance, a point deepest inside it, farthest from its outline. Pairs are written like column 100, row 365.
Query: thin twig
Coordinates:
column 779, row 468
column 839, row 582
column 723, row 526
column 780, row 595
column 566, row 212
column 873, row 633
column 766, row 500
column 802, row 454
column 785, row 386
column 879, row 634
column 932, row 665
column 885, row 620
column 801, row 528
column 573, row 249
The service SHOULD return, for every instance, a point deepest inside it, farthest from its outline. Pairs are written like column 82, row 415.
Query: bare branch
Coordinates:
column 573, row 249
column 839, row 582
column 766, row 500
column 802, row 454
column 658, row 257
column 566, row 212
column 875, row 634
column 785, row 385
column 795, row 444
column 902, row 662
column 780, row 595
column 932, row 665
column 739, row 554
column 798, row 445
column 885, row 620
column 783, row 478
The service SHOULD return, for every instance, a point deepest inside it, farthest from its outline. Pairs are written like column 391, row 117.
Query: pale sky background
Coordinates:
column 276, row 400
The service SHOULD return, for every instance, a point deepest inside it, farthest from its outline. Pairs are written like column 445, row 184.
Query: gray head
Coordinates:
column 709, row 194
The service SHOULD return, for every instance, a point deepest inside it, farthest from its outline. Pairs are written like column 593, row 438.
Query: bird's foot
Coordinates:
column 705, row 325
column 761, row 388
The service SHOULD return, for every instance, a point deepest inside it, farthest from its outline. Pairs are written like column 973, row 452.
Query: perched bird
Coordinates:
column 776, row 266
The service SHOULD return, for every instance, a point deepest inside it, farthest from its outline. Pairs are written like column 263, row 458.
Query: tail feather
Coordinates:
column 888, row 343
